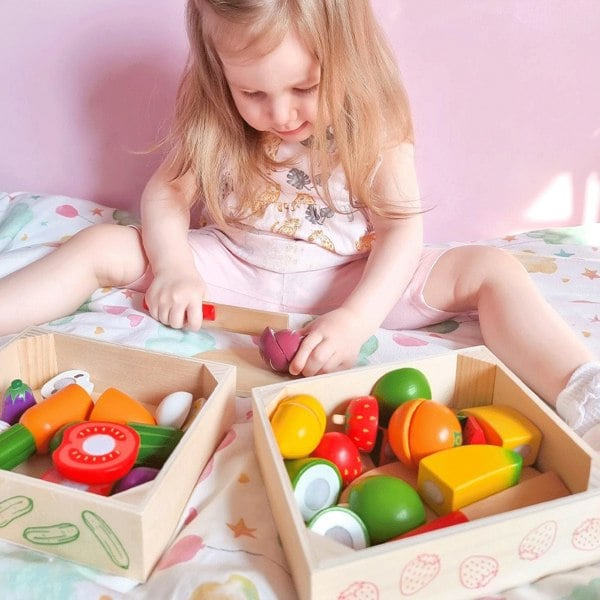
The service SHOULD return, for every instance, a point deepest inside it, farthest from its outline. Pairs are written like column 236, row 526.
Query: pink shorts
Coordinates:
column 231, row 280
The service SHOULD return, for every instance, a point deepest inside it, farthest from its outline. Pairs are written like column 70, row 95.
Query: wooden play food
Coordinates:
column 43, row 420
column 453, row 478
column 360, row 421
column 277, row 348
column 316, row 482
column 298, row 424
column 504, row 426
column 96, row 452
column 387, row 506
column 396, row 387
column 118, row 407
column 341, row 451
column 420, row 427
column 342, row 525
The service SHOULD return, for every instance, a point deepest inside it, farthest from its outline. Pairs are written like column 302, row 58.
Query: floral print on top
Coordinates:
column 290, row 227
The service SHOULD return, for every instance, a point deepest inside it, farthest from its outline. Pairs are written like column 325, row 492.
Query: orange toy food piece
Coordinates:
column 43, row 420
column 116, row 406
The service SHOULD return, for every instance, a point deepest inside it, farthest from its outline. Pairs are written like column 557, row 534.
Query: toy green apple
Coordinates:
column 396, row 387
column 387, row 506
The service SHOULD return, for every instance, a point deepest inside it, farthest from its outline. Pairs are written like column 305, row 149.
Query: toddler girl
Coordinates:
column 293, row 137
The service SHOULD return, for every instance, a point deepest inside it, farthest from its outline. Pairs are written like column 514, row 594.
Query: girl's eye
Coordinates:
column 254, row 95
column 309, row 90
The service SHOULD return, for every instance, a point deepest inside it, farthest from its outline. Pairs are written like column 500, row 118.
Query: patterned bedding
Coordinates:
column 226, row 545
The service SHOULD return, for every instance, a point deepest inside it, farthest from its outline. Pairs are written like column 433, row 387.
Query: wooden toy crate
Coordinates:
column 124, row 534
column 460, row 562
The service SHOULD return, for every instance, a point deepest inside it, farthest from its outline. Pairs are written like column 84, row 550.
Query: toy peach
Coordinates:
column 298, row 423
column 420, row 427
column 341, row 451
column 387, row 506
column 360, row 422
column 396, row 387
column 277, row 348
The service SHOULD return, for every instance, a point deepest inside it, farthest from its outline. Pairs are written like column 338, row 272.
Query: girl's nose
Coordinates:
column 282, row 112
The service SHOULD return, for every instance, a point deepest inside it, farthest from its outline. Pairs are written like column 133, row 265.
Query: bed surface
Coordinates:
column 226, row 545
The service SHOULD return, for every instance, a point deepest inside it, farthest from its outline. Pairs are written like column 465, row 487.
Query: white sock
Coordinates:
column 579, row 403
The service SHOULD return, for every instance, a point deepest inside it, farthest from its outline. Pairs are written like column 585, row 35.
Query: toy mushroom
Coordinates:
column 360, row 421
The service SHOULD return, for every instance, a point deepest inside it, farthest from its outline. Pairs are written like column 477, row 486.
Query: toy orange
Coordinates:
column 421, row 427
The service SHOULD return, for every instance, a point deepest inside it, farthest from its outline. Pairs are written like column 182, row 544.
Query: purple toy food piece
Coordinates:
column 278, row 348
column 18, row 397
column 135, row 477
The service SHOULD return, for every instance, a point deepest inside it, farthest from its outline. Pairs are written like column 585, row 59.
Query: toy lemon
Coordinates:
column 298, row 424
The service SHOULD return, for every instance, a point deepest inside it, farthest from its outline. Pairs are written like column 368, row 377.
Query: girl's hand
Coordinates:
column 175, row 299
column 332, row 343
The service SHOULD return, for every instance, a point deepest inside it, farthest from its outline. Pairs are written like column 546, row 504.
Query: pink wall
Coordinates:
column 505, row 95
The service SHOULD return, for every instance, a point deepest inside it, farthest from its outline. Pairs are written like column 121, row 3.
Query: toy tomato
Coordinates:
column 396, row 387
column 298, row 423
column 341, row 451
column 421, row 427
column 96, row 452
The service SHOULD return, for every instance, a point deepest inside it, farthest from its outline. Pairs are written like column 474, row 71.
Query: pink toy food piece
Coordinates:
column 277, row 348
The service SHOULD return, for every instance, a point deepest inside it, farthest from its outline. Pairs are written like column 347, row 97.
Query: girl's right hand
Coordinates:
column 175, row 299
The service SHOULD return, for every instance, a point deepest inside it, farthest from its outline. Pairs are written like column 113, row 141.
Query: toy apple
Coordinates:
column 396, row 387
column 387, row 506
column 298, row 423
column 338, row 448
column 360, row 422
column 421, row 427
column 277, row 348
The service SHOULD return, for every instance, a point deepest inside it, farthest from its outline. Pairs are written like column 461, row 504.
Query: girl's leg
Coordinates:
column 517, row 324
column 57, row 284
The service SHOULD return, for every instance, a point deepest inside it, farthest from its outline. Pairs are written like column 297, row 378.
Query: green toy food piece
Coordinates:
column 396, row 387
column 16, row 446
column 156, row 444
column 387, row 506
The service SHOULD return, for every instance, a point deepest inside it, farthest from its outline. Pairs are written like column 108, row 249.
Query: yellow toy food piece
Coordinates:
column 456, row 477
column 298, row 424
column 507, row 427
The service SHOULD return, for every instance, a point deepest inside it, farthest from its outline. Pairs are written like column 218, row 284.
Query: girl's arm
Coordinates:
column 333, row 340
column 175, row 295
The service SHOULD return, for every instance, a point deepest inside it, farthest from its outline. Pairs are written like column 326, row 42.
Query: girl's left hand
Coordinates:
column 332, row 342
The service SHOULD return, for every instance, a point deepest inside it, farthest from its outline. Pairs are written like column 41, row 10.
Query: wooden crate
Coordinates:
column 124, row 534
column 461, row 562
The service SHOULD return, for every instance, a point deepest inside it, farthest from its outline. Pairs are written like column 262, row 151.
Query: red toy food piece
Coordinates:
column 96, row 452
column 473, row 432
column 360, row 422
column 277, row 348
column 338, row 448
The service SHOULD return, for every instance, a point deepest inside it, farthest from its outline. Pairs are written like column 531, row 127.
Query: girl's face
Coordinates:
column 277, row 92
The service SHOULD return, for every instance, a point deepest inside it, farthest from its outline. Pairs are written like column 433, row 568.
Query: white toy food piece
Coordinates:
column 173, row 409
column 62, row 380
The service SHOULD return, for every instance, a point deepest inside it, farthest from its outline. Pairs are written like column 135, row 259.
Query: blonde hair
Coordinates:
column 360, row 97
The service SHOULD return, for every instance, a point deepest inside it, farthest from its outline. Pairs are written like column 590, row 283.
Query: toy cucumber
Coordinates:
column 106, row 536
column 52, row 535
column 13, row 508
column 156, row 444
